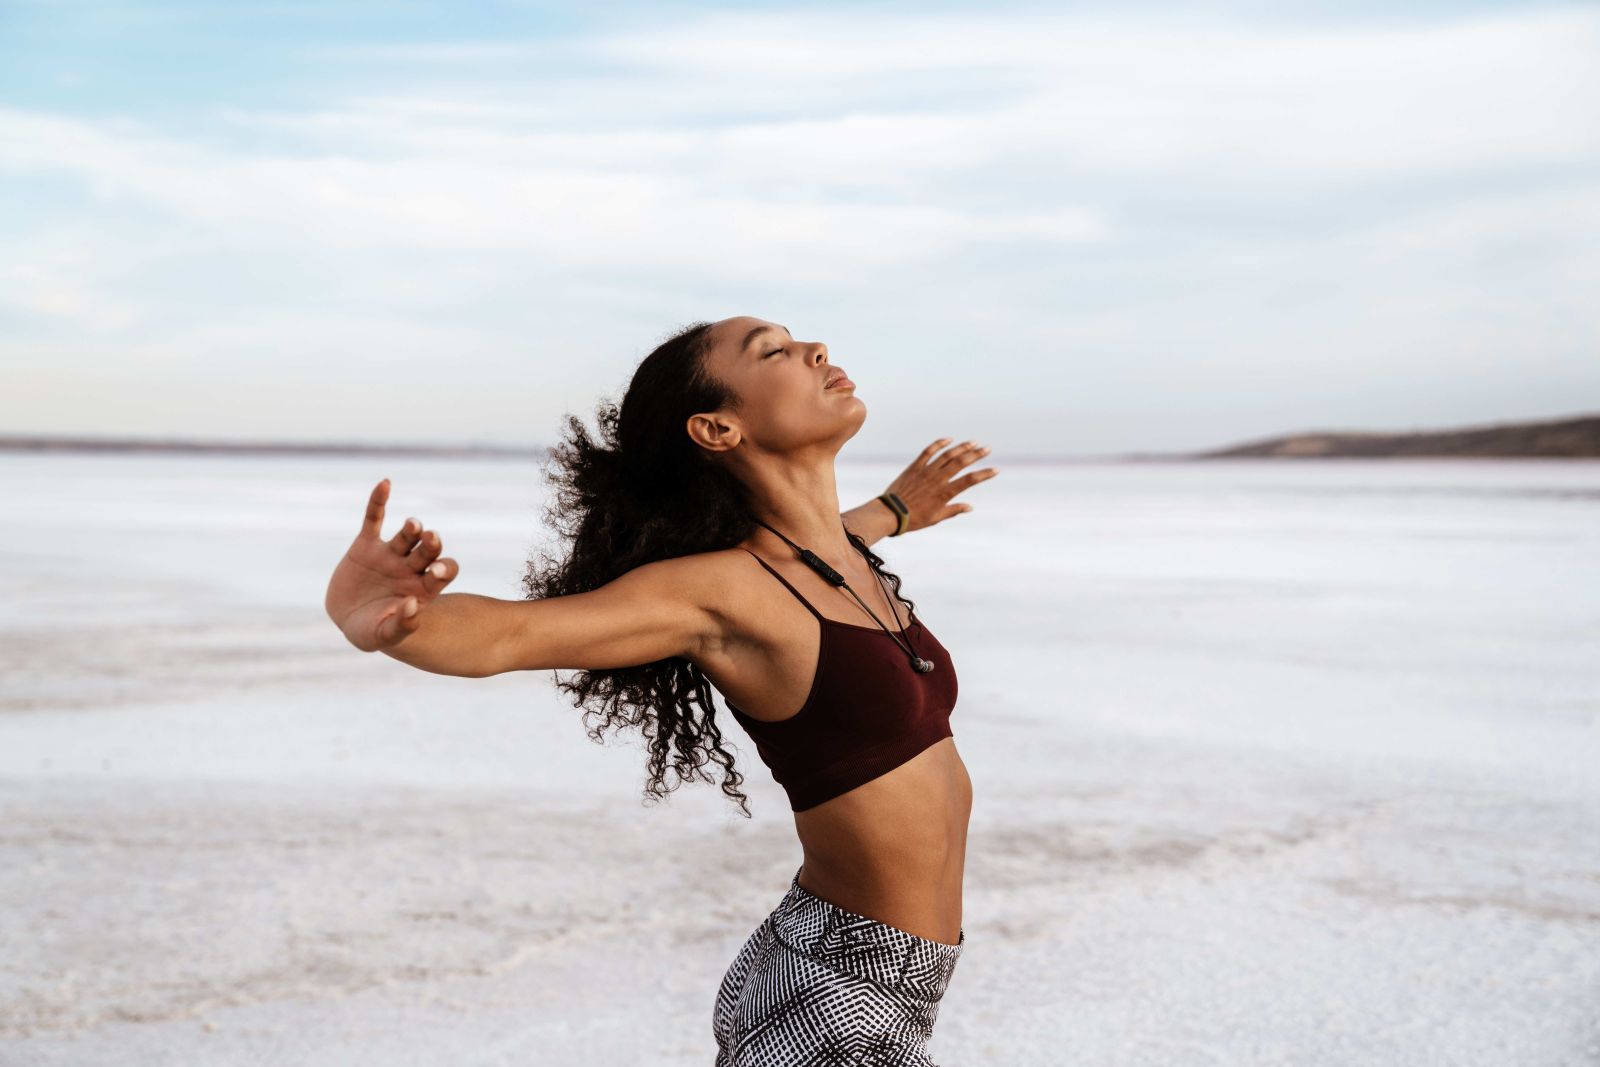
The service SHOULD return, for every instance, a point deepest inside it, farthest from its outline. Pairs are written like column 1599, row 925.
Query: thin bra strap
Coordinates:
column 787, row 586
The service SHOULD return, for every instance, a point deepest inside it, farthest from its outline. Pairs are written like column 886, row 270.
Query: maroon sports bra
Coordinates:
column 868, row 710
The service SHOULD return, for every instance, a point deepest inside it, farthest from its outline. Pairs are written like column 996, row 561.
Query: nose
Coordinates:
column 822, row 350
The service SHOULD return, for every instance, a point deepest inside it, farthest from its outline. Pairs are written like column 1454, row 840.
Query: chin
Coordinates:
column 860, row 417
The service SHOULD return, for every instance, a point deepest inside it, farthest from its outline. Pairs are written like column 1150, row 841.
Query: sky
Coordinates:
column 1058, row 229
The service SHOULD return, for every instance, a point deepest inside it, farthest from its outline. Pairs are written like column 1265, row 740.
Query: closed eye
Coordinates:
column 774, row 352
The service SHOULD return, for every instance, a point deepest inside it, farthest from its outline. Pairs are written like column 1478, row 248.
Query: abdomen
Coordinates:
column 894, row 849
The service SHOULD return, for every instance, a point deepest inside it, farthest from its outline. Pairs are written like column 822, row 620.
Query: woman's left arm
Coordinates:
column 926, row 487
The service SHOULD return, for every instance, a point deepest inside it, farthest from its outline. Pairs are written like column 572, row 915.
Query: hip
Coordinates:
column 816, row 983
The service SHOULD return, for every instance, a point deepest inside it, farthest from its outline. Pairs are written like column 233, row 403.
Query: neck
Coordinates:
column 801, row 501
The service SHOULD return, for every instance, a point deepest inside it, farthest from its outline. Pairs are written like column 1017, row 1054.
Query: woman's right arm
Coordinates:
column 389, row 596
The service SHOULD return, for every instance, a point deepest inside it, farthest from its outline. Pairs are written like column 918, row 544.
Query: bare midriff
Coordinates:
column 895, row 848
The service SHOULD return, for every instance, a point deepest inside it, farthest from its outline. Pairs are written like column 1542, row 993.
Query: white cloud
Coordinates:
column 1178, row 202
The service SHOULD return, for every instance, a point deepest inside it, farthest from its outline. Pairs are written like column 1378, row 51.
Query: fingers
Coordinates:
column 971, row 478
column 419, row 547
column 427, row 549
column 372, row 523
column 927, row 453
column 948, row 511
column 439, row 574
column 961, row 455
column 406, row 538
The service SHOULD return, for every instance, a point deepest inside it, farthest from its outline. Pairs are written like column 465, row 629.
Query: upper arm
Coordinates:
column 652, row 612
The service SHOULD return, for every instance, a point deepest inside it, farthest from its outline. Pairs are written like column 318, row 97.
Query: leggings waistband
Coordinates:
column 887, row 955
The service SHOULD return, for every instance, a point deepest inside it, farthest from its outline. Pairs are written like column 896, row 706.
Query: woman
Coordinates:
column 723, row 449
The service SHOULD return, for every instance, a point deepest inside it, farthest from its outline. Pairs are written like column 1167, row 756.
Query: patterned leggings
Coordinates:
column 818, row 986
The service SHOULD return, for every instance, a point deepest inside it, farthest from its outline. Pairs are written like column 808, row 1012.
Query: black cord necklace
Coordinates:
column 835, row 579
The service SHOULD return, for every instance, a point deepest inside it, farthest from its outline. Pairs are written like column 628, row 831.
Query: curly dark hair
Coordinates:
column 645, row 492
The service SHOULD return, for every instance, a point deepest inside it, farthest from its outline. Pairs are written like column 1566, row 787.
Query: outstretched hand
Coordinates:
column 928, row 484
column 380, row 589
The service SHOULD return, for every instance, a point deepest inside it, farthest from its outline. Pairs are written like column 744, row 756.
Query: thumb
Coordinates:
column 400, row 622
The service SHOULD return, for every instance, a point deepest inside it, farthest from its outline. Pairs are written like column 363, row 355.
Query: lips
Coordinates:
column 835, row 377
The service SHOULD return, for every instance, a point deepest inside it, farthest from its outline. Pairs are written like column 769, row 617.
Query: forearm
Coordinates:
column 871, row 521
column 463, row 634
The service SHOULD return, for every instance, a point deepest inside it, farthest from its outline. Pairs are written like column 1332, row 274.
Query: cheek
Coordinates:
column 787, row 392
column 786, row 409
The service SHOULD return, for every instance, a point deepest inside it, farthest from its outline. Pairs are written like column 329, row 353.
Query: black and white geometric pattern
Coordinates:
column 818, row 986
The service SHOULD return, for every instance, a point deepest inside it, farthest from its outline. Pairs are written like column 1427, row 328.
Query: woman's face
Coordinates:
column 782, row 384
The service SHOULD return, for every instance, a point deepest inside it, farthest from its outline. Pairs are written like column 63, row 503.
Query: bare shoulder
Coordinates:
column 726, row 588
column 717, row 583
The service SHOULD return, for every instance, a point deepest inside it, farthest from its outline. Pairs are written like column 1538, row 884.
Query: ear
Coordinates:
column 713, row 431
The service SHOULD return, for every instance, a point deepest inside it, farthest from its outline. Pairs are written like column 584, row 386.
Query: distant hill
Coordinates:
column 1569, row 438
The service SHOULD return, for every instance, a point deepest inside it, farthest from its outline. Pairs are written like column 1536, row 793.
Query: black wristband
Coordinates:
column 902, row 513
